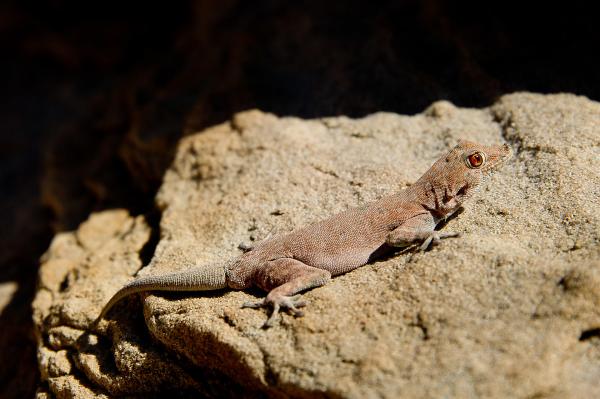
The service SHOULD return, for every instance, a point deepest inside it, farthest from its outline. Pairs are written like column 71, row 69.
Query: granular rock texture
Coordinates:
column 511, row 308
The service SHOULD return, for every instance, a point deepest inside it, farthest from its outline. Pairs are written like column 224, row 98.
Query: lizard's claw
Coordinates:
column 435, row 238
column 288, row 303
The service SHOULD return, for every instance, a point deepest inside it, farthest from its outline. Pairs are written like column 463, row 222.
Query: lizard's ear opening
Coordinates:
column 475, row 160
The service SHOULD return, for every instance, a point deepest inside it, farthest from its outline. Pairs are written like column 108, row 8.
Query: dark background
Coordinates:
column 95, row 95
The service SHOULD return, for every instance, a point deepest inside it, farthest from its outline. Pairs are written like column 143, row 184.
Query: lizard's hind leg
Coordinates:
column 283, row 278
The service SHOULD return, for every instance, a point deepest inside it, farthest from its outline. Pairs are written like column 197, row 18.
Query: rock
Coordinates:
column 78, row 271
column 509, row 309
column 7, row 290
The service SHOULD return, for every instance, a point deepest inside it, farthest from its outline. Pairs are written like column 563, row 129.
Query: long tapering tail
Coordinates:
column 198, row 279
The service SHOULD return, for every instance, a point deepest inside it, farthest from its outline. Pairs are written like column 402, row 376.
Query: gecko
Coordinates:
column 288, row 264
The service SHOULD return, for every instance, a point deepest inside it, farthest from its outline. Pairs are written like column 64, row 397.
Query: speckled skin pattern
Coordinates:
column 308, row 257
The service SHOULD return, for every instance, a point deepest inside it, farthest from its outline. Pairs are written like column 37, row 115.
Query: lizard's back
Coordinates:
column 344, row 241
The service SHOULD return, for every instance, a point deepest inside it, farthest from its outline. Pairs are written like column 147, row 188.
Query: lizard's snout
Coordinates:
column 503, row 152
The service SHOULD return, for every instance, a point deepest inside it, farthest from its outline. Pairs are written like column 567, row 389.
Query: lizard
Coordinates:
column 285, row 265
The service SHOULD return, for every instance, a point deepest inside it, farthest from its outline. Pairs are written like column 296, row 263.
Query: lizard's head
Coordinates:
column 456, row 176
column 478, row 161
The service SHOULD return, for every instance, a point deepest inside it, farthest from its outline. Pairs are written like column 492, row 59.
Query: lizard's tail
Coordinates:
column 200, row 279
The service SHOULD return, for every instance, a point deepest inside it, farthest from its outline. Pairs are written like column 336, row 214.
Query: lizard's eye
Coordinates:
column 475, row 160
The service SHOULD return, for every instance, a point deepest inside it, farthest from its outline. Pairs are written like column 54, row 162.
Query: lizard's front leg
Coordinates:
column 418, row 228
column 283, row 278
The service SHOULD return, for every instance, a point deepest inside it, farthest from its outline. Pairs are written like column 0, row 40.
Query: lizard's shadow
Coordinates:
column 444, row 222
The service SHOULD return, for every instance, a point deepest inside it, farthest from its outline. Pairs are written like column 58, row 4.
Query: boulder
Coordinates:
column 511, row 308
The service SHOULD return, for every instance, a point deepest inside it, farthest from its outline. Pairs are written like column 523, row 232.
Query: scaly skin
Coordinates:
column 308, row 257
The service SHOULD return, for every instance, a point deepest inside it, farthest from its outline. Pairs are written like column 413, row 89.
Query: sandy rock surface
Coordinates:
column 511, row 308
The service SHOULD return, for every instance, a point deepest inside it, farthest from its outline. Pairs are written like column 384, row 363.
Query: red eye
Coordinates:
column 476, row 159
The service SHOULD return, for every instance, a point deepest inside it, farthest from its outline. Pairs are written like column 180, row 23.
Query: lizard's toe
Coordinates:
column 435, row 237
column 290, row 304
column 271, row 321
column 254, row 304
column 426, row 243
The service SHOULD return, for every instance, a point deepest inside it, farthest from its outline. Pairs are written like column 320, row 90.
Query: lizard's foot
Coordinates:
column 435, row 238
column 278, row 302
